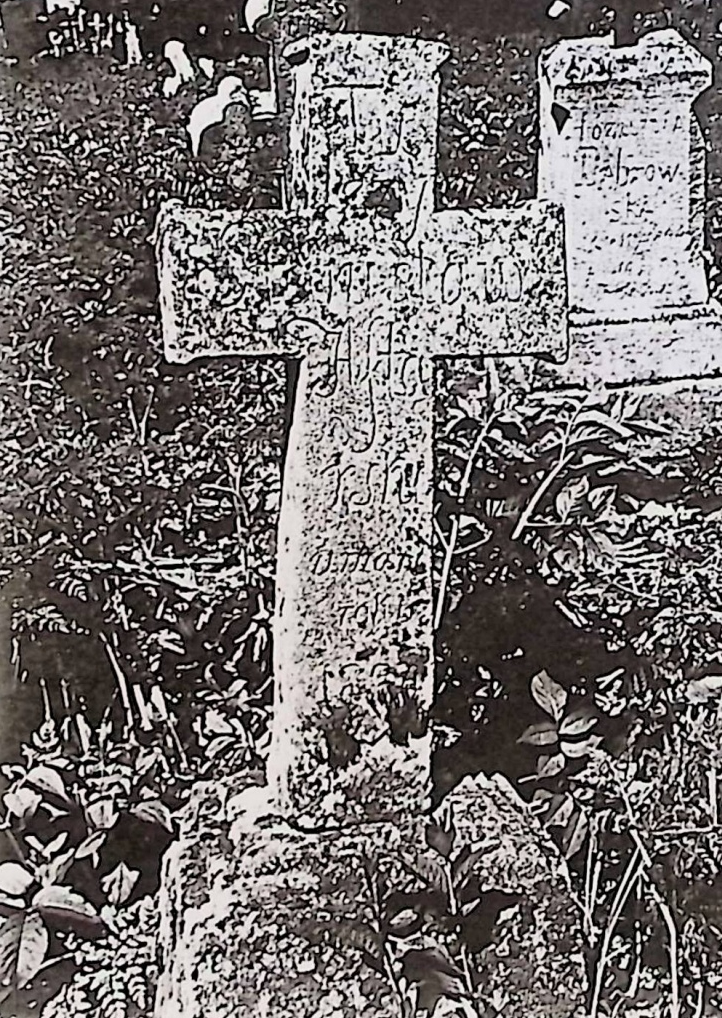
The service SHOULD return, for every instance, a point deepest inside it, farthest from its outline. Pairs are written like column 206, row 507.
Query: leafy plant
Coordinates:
column 116, row 975
column 59, row 814
column 430, row 920
column 137, row 521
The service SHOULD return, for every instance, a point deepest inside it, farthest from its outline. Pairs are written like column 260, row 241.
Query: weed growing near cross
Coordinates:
column 138, row 514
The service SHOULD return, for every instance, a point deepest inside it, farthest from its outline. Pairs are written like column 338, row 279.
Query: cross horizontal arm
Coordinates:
column 496, row 282
column 229, row 282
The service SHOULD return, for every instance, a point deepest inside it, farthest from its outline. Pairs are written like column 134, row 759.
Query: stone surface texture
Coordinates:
column 365, row 283
column 277, row 921
column 621, row 150
column 275, row 901
column 658, row 349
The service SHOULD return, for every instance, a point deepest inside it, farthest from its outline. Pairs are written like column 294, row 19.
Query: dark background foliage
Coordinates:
column 107, row 446
column 139, row 500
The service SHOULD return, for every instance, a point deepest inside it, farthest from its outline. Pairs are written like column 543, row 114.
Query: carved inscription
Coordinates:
column 612, row 151
column 360, row 484
column 343, row 561
column 460, row 278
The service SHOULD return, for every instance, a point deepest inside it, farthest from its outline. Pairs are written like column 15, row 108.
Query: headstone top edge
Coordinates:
column 351, row 57
column 595, row 60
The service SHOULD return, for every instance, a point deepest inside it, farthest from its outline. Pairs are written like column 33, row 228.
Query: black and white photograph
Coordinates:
column 361, row 509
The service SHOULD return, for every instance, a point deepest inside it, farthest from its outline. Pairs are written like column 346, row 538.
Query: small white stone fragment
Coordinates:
column 557, row 8
column 211, row 110
column 175, row 53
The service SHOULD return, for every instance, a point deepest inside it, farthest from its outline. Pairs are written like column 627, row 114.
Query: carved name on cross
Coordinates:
column 366, row 283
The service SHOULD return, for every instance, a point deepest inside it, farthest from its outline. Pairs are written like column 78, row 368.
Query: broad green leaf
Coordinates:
column 575, row 835
column 651, row 428
column 21, row 802
column 91, row 846
column 549, row 766
column 58, row 868
column 14, row 903
column 47, row 779
column 588, row 434
column 601, row 499
column 577, row 750
column 571, row 500
column 559, row 817
column 551, row 697
column 102, row 814
column 599, row 419
column 58, row 897
column 33, row 949
column 14, row 879
column 237, row 688
column 118, row 885
column 465, row 864
column 577, row 723
column 404, row 923
column 543, row 734
column 449, row 1007
column 440, row 838
column 10, row 933
column 154, row 812
column 436, row 975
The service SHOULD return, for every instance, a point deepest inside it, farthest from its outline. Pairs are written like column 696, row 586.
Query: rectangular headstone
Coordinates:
column 364, row 282
column 622, row 151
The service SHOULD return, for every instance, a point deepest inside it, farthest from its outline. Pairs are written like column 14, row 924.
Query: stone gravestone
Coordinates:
column 364, row 282
column 622, row 151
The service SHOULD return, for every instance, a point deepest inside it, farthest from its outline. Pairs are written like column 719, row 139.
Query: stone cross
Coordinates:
column 366, row 283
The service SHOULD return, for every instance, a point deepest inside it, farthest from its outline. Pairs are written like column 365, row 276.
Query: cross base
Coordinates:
column 268, row 920
column 678, row 342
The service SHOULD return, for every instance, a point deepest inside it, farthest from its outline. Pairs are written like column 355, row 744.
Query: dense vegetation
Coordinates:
column 137, row 523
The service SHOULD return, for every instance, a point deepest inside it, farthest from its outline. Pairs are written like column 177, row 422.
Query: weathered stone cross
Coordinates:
column 364, row 282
